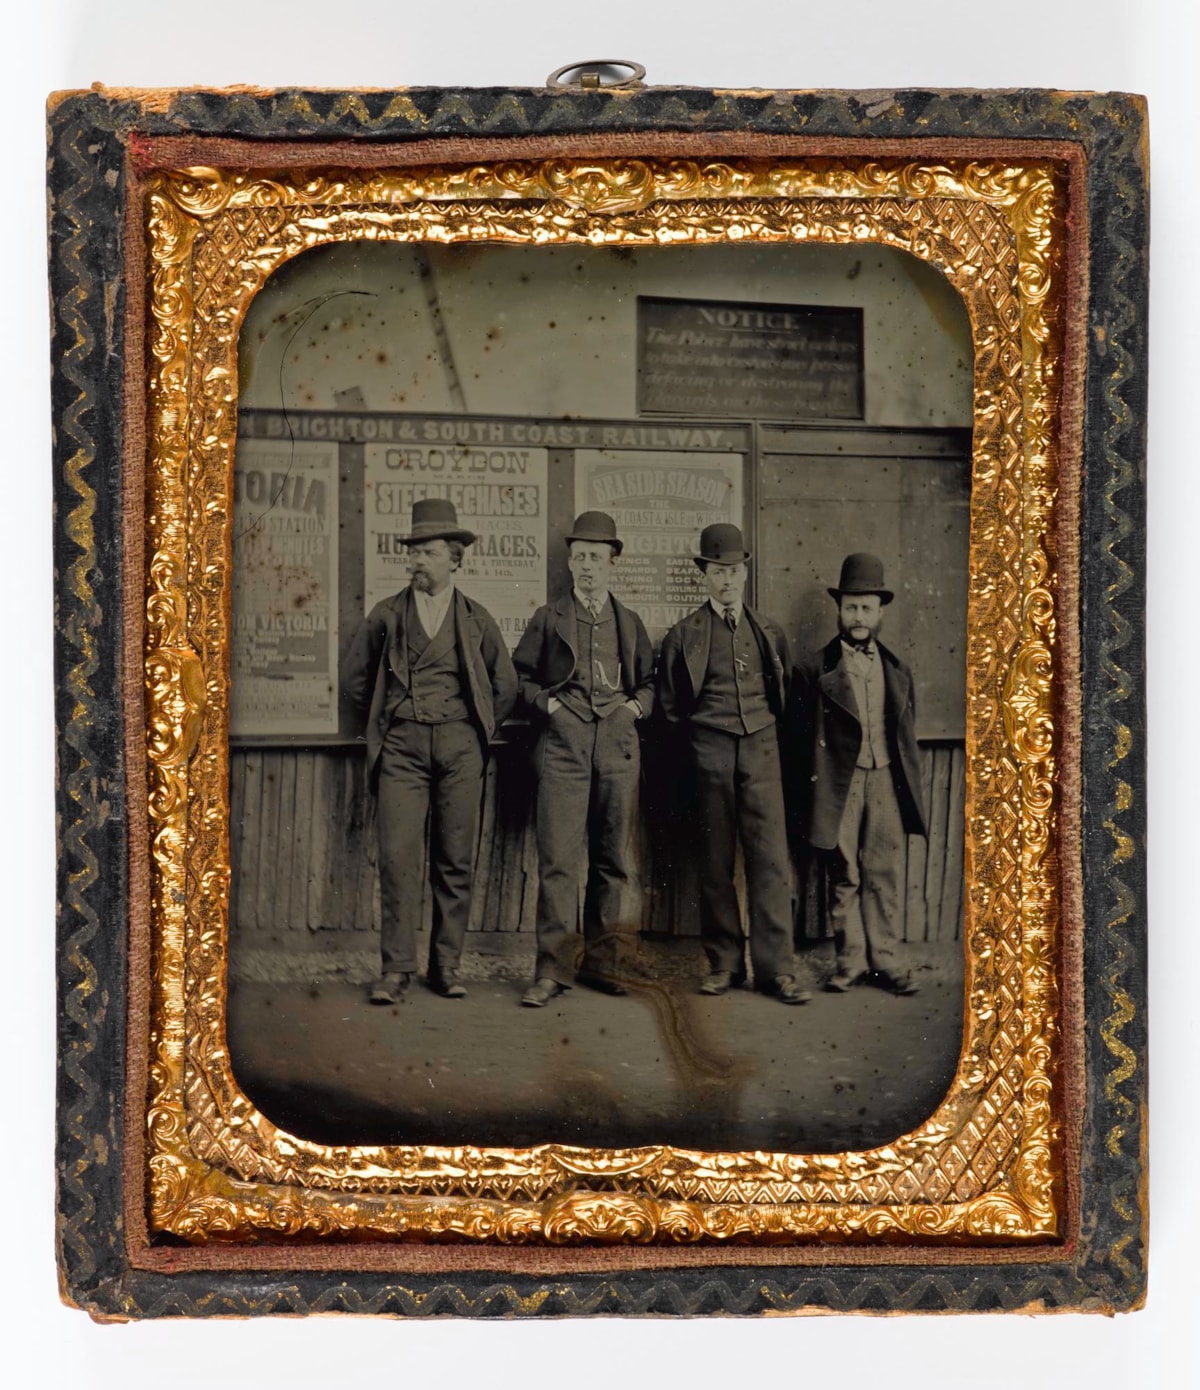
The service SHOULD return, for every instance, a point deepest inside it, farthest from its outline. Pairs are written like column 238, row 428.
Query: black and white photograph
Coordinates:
column 597, row 695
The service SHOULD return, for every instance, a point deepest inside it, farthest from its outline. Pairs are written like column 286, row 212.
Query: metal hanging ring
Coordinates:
column 591, row 79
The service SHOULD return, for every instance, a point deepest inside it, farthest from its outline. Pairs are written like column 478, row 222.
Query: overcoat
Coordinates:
column 684, row 662
column 548, row 650
column 824, row 735
column 381, row 644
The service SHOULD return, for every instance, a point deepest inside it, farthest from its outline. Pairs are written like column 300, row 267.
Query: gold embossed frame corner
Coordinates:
column 988, row 1166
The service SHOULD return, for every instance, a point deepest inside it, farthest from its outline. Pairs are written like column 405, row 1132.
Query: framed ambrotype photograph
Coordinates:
column 600, row 741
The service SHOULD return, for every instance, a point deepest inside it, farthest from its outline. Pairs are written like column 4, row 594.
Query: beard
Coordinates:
column 422, row 582
column 849, row 637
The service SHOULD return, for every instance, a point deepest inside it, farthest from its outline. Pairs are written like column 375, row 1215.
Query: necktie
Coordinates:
column 731, row 617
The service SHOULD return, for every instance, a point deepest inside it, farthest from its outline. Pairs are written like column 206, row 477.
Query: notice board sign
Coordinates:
column 749, row 361
column 661, row 501
column 285, row 589
column 498, row 487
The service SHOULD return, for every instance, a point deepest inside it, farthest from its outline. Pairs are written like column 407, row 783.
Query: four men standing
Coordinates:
column 429, row 671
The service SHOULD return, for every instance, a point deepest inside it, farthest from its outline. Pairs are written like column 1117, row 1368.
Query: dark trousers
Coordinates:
column 739, row 796
column 427, row 773
column 866, row 873
column 587, row 796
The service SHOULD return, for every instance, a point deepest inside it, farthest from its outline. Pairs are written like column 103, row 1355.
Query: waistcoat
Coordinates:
column 594, row 690
column 867, row 682
column 434, row 694
column 734, row 695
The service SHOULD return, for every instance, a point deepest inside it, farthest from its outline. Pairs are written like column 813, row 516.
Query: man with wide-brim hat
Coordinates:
column 586, row 671
column 429, row 672
column 723, row 677
column 855, row 770
column 436, row 519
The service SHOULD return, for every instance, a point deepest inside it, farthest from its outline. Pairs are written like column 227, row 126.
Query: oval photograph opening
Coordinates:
column 597, row 707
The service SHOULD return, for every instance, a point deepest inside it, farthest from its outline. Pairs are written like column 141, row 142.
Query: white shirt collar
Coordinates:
column 719, row 609
column 588, row 603
column 432, row 608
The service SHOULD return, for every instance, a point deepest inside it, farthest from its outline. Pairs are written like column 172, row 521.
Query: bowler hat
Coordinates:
column 863, row 574
column 721, row 544
column 435, row 519
column 596, row 526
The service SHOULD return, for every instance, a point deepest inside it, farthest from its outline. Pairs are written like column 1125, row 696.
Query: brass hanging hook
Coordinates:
column 590, row 75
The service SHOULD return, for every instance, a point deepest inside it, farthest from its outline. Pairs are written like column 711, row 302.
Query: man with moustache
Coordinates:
column 429, row 671
column 723, row 678
column 858, row 777
column 586, row 672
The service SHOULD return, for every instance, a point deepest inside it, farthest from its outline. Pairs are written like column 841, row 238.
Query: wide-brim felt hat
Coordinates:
column 598, row 527
column 721, row 543
column 862, row 574
column 436, row 519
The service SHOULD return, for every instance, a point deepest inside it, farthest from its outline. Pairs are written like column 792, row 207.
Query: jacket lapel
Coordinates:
column 697, row 639
column 626, row 644
column 466, row 635
column 835, row 680
column 406, row 613
column 766, row 648
column 896, row 681
column 567, row 629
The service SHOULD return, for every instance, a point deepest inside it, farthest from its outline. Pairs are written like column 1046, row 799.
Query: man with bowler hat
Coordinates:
column 857, row 776
column 586, row 671
column 723, row 677
column 429, row 671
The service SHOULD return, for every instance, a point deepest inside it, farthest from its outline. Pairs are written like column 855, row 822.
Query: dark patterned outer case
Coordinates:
column 90, row 137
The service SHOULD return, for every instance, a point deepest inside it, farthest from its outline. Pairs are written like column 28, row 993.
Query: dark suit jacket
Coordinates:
column 824, row 735
column 684, row 662
column 381, row 644
column 548, row 650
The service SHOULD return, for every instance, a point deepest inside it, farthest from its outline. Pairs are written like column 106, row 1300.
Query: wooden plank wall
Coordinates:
column 302, row 848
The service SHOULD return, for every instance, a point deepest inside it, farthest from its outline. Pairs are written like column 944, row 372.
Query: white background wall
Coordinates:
column 1097, row 44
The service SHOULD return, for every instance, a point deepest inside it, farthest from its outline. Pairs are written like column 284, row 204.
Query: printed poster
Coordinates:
column 285, row 601
column 499, row 492
column 661, row 502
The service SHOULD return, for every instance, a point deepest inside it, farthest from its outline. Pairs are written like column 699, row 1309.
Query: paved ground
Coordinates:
column 662, row 1065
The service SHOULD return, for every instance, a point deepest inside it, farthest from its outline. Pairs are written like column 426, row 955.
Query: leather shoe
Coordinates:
column 903, row 984
column 448, row 987
column 540, row 993
column 787, row 991
column 718, row 982
column 391, row 986
column 841, row 984
column 600, row 982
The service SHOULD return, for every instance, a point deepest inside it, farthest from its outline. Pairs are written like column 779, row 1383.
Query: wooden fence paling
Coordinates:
column 264, row 906
column 245, row 889
column 317, row 867
column 949, row 919
column 483, row 853
column 302, row 850
column 935, row 866
column 237, row 804
column 285, row 834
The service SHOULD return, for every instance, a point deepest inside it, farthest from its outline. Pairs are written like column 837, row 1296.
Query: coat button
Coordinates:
column 821, row 742
column 813, row 778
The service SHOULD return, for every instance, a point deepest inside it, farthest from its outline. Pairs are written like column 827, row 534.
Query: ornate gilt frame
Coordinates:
column 986, row 1165
column 994, row 1174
